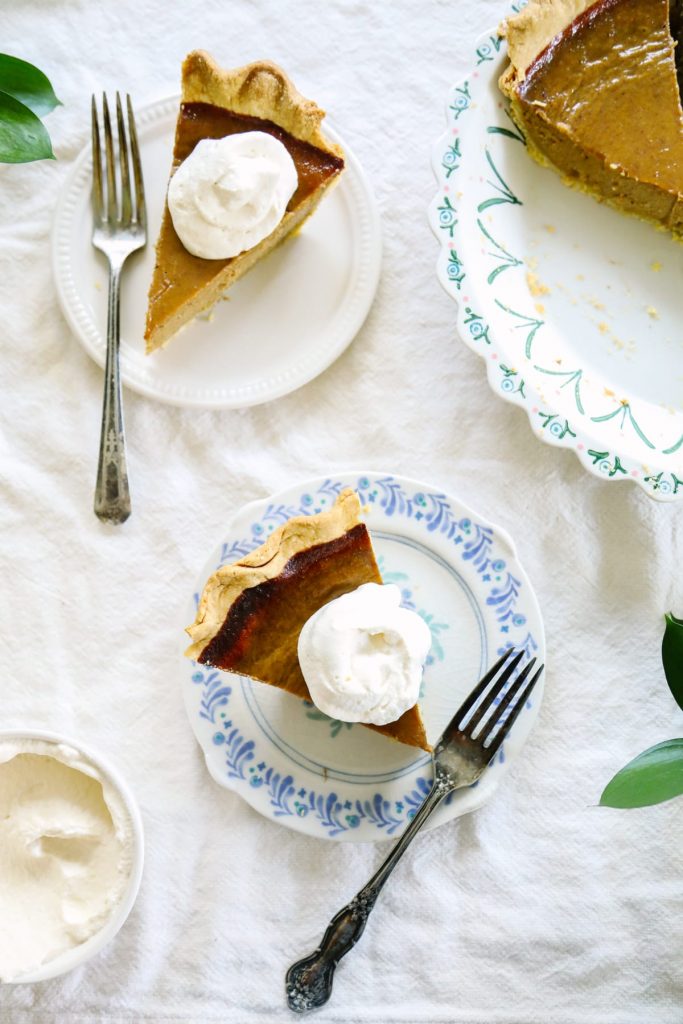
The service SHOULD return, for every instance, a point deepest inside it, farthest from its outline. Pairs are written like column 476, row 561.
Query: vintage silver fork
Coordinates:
column 467, row 746
column 119, row 228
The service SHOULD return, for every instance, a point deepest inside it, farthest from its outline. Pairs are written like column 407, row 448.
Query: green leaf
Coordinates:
column 23, row 137
column 652, row 777
column 672, row 656
column 27, row 84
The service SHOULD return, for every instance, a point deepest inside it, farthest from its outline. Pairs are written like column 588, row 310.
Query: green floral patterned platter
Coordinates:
column 574, row 307
column 339, row 781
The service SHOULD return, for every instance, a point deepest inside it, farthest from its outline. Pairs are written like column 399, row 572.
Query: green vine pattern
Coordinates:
column 624, row 410
column 455, row 269
column 663, row 483
column 460, row 100
column 476, row 325
column 450, row 161
column 447, row 218
column 512, row 383
column 505, row 193
column 533, row 324
column 489, row 49
column 573, row 377
column 501, row 253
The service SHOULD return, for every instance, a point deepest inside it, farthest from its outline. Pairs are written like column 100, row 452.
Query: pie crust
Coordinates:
column 251, row 612
column 216, row 102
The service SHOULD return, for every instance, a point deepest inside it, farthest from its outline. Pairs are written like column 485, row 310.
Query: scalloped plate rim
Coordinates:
column 568, row 443
column 490, row 781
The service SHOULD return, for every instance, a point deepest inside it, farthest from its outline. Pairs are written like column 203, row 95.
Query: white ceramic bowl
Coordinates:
column 75, row 957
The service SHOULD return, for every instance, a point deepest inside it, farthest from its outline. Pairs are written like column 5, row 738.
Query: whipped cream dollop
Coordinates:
column 362, row 655
column 230, row 193
column 65, row 853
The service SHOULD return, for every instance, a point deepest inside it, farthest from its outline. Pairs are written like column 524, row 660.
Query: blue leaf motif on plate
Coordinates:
column 477, row 549
column 281, row 790
column 394, row 500
column 239, row 752
column 215, row 695
column 504, row 598
column 440, row 517
column 378, row 811
column 285, row 796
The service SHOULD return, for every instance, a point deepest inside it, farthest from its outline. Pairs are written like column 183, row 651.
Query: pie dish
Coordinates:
column 593, row 88
column 251, row 612
column 216, row 103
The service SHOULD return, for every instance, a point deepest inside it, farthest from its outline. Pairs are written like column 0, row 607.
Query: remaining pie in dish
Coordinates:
column 251, row 613
column 216, row 103
column 593, row 88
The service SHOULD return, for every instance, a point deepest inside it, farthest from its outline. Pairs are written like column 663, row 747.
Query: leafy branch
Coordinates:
column 25, row 96
column 655, row 775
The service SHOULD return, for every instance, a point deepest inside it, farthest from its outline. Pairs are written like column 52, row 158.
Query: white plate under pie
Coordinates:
column 573, row 306
column 331, row 779
column 283, row 323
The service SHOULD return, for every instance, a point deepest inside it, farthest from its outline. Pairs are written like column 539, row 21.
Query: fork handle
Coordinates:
column 309, row 981
column 112, row 496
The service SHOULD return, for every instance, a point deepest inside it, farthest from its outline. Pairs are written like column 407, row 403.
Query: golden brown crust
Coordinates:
column 529, row 32
column 261, row 89
column 265, row 563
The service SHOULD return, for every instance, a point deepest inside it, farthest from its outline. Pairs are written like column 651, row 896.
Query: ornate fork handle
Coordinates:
column 112, row 495
column 309, row 981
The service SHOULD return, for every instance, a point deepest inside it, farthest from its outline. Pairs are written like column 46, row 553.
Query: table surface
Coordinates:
column 539, row 909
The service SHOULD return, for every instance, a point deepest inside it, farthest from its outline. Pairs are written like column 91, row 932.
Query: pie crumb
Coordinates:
column 550, row 228
column 602, row 327
column 652, row 312
column 535, row 286
column 656, row 266
column 539, row 307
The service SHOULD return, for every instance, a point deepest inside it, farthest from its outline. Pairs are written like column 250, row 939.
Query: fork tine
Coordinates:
column 109, row 153
column 140, row 208
column 469, row 703
column 493, row 694
column 497, row 714
column 506, row 726
column 97, row 198
column 126, row 208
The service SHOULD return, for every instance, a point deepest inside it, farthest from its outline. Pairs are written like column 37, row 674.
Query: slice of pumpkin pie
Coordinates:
column 216, row 104
column 592, row 86
column 251, row 612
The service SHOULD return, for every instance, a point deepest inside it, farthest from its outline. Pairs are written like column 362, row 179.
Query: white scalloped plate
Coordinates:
column 284, row 322
column 574, row 307
column 333, row 780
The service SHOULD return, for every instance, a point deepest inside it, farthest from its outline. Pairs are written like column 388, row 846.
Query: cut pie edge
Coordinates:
column 267, row 562
column 263, row 90
column 530, row 31
column 532, row 35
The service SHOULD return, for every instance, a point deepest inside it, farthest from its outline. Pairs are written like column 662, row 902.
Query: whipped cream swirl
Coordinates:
column 230, row 193
column 362, row 655
column 65, row 853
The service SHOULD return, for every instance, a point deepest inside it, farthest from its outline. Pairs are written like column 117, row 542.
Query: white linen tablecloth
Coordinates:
column 539, row 909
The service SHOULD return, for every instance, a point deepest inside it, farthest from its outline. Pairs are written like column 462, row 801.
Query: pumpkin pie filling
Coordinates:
column 252, row 612
column 183, row 273
column 217, row 103
column 599, row 100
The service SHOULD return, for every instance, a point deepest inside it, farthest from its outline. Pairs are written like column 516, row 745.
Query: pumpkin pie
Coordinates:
column 593, row 88
column 251, row 612
column 216, row 103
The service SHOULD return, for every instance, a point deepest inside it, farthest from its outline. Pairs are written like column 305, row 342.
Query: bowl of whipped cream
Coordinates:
column 71, row 854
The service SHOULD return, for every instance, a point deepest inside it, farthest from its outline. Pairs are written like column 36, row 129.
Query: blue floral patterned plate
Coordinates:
column 574, row 307
column 331, row 779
